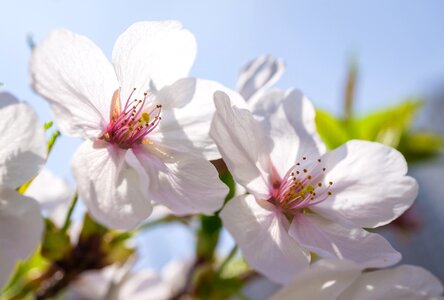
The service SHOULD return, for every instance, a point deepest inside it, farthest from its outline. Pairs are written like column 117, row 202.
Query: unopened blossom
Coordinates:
column 145, row 124
column 22, row 154
column 302, row 199
column 345, row 280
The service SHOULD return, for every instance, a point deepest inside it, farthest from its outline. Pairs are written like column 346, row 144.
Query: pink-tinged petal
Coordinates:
column 261, row 233
column 109, row 187
column 21, row 227
column 73, row 74
column 184, row 183
column 23, row 149
column 259, row 74
column 243, row 144
column 151, row 55
column 329, row 239
column 187, row 111
column 326, row 280
column 401, row 283
column 370, row 187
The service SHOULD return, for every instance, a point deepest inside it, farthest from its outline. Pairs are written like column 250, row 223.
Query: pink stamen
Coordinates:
column 302, row 186
column 133, row 123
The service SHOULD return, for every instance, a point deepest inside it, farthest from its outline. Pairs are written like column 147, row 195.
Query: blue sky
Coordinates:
column 399, row 44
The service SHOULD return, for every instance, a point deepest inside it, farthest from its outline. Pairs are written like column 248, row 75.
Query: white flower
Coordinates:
column 119, row 283
column 344, row 280
column 301, row 199
column 22, row 154
column 146, row 129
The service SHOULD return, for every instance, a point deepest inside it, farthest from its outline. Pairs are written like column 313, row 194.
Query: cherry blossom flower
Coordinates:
column 302, row 199
column 119, row 282
column 146, row 126
column 22, row 154
column 345, row 280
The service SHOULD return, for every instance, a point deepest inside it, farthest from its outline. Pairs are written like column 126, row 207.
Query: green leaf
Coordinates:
column 117, row 253
column 331, row 129
column 91, row 228
column 421, row 145
column 208, row 237
column 209, row 285
column 115, row 247
column 56, row 243
column 32, row 267
column 387, row 126
column 48, row 125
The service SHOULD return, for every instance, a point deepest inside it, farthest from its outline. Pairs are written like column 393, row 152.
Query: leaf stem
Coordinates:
column 227, row 259
column 69, row 213
column 52, row 140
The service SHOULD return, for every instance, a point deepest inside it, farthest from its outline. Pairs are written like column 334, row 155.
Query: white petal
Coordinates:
column 23, row 146
column 268, row 103
column 59, row 193
column 73, row 74
column 269, row 110
column 369, row 183
column 142, row 285
column 21, row 227
column 187, row 111
column 184, row 183
column 174, row 275
column 94, row 285
column 402, row 283
column 259, row 74
column 243, row 145
column 156, row 53
column 261, row 233
column 109, row 187
column 329, row 239
column 301, row 114
column 325, row 280
column 297, row 109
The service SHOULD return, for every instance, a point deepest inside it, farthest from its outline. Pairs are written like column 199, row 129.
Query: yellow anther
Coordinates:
column 145, row 117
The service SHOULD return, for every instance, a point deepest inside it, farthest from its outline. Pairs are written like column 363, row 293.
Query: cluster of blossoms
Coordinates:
column 150, row 134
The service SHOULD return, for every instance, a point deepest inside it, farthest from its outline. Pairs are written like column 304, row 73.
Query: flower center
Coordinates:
column 302, row 186
column 130, row 125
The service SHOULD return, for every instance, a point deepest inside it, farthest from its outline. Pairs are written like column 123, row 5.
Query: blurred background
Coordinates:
column 397, row 48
